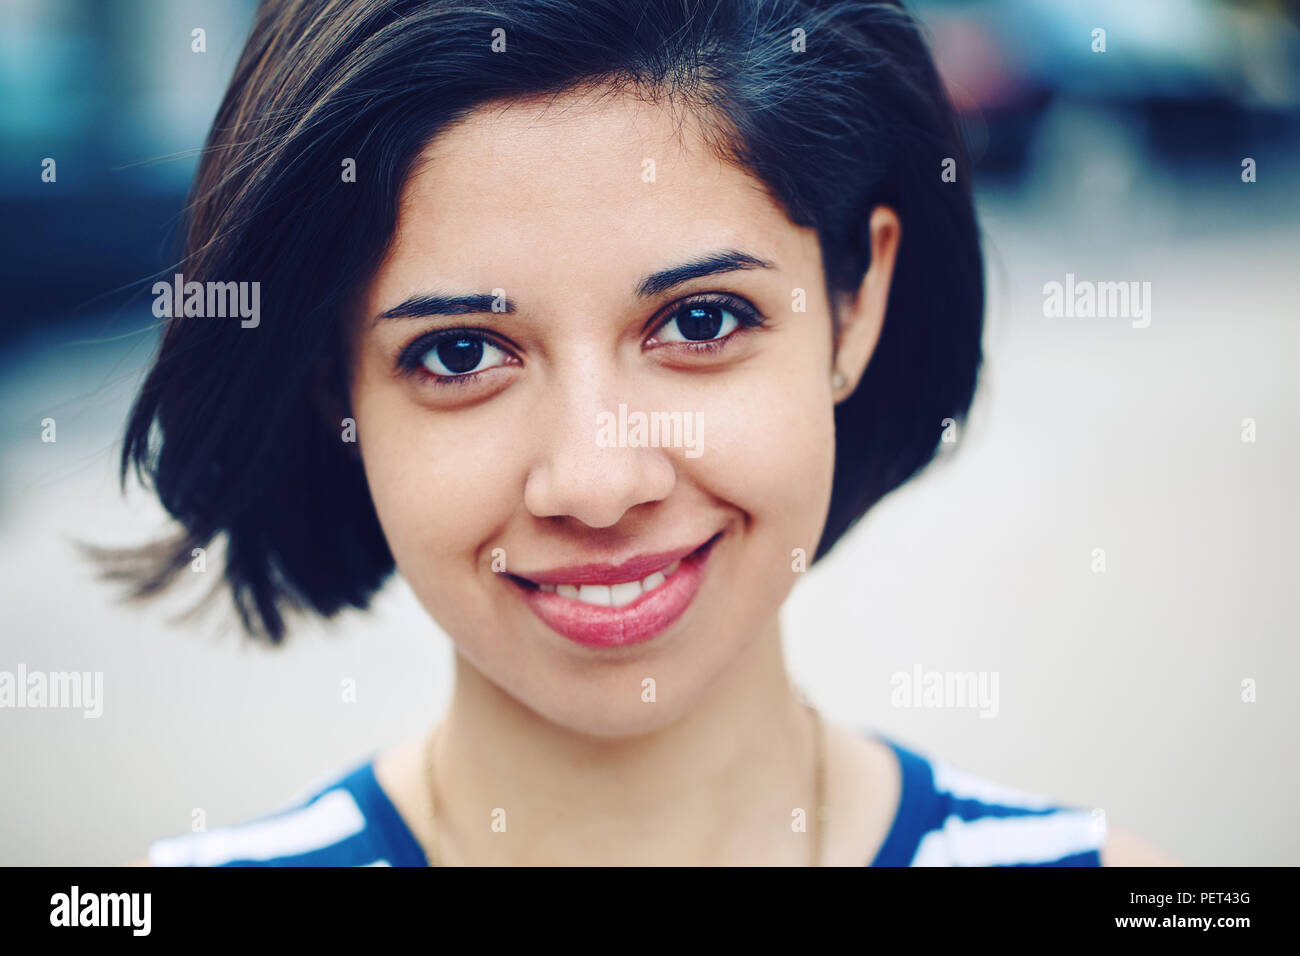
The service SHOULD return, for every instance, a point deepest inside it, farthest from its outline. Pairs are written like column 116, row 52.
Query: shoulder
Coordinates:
column 950, row 817
column 1125, row 849
column 344, row 820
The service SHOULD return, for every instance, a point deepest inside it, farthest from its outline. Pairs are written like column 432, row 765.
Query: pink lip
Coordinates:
column 649, row 615
column 633, row 569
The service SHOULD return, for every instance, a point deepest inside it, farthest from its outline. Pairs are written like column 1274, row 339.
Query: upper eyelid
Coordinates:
column 413, row 350
column 706, row 298
column 483, row 330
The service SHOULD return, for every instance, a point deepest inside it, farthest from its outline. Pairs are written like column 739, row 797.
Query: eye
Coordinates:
column 453, row 354
column 698, row 323
column 705, row 321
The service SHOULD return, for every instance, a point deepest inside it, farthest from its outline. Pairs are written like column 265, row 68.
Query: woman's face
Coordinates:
column 531, row 523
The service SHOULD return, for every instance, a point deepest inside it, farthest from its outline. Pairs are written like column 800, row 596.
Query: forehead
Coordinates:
column 584, row 181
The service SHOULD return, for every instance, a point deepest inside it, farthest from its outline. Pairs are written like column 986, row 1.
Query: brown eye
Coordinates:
column 453, row 354
column 698, row 322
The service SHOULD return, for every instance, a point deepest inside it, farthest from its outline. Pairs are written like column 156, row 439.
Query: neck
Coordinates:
column 715, row 787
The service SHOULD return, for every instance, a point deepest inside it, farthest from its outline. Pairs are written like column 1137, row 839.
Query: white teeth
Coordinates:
column 620, row 594
column 614, row 595
column 594, row 594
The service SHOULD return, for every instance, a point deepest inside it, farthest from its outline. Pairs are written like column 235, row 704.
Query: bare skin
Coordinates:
column 862, row 791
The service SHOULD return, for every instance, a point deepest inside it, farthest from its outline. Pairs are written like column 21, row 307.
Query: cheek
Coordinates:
column 769, row 449
column 441, row 484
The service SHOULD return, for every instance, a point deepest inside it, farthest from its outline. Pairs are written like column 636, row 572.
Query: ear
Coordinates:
column 862, row 317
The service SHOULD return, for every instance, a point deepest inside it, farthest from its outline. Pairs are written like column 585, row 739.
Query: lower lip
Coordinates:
column 593, row 625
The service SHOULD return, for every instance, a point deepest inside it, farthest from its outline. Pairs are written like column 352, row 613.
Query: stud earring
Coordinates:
column 838, row 380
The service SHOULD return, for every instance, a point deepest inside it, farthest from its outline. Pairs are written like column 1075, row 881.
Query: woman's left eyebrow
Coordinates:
column 424, row 305
column 731, row 260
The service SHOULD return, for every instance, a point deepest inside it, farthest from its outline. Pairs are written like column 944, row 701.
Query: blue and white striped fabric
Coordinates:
column 944, row 818
column 348, row 821
column 950, row 818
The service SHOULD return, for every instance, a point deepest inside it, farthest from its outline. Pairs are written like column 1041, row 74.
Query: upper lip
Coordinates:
column 633, row 569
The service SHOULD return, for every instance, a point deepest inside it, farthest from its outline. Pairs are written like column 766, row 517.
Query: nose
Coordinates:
column 580, row 473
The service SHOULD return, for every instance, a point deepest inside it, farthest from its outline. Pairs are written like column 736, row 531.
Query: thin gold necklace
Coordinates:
column 819, row 822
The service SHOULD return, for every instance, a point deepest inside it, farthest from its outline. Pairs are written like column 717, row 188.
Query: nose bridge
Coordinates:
column 581, row 469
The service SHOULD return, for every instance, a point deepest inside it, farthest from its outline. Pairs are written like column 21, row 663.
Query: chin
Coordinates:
column 615, row 715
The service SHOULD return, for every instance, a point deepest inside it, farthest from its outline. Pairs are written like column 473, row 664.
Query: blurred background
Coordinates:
column 1120, row 690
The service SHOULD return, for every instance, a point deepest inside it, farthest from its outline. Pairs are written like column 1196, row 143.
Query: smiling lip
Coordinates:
column 594, row 625
column 633, row 569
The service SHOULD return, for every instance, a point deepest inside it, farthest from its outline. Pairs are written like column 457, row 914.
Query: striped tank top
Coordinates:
column 945, row 817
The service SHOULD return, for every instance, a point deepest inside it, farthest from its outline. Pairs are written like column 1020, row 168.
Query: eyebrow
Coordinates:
column 427, row 304
column 732, row 260
column 423, row 305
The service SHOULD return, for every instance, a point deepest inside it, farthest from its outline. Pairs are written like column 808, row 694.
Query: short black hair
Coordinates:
column 835, row 106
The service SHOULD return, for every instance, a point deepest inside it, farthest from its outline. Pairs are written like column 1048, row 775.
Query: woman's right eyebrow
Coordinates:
column 423, row 305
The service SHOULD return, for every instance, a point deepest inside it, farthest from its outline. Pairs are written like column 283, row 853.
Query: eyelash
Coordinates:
column 411, row 359
column 747, row 317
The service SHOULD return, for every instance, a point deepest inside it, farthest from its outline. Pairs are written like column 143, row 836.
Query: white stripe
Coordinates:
column 334, row 817
column 320, row 783
column 379, row 863
column 960, row 784
column 994, row 841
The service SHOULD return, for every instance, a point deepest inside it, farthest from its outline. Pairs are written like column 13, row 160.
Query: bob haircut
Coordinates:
column 835, row 106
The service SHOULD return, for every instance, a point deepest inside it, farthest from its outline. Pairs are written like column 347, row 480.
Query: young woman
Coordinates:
column 590, row 318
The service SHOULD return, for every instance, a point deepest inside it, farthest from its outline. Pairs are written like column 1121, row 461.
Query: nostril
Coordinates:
column 597, row 490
